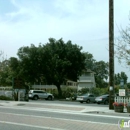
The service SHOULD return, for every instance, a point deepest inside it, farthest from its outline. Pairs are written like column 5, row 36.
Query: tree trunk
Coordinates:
column 59, row 91
column 16, row 96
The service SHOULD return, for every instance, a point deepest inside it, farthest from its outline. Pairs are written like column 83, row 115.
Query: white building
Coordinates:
column 86, row 80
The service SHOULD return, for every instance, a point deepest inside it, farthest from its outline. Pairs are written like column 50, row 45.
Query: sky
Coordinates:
column 84, row 22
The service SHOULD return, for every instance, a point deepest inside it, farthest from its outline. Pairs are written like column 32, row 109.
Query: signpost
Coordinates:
column 122, row 92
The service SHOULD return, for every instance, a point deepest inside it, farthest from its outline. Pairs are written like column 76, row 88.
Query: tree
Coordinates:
column 120, row 76
column 54, row 62
column 15, row 66
column 123, row 46
column 64, row 61
column 128, row 85
column 89, row 61
column 5, row 74
column 5, row 71
column 99, row 67
column 101, row 73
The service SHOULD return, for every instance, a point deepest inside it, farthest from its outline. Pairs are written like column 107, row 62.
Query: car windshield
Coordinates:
column 104, row 96
column 84, row 94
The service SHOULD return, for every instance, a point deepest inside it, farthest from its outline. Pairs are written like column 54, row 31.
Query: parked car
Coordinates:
column 86, row 98
column 102, row 99
column 40, row 94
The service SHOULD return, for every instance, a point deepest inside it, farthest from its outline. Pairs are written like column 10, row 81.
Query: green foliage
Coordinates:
column 84, row 90
column 5, row 98
column 120, row 76
column 101, row 73
column 68, row 92
column 50, row 63
column 99, row 91
column 128, row 85
column 54, row 92
column 116, row 88
column 89, row 61
column 99, row 67
column 5, row 73
column 95, row 91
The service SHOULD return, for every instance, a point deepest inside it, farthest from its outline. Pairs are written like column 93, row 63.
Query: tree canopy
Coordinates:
column 50, row 63
column 123, row 46
column 5, row 72
column 120, row 76
column 99, row 67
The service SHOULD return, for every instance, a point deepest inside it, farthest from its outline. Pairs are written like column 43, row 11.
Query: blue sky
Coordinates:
column 84, row 22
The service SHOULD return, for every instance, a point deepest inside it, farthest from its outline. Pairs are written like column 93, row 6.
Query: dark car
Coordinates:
column 102, row 99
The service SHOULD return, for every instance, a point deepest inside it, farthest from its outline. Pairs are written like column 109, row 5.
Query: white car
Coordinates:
column 40, row 94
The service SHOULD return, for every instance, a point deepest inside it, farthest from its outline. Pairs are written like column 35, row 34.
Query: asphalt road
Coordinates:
column 68, row 103
column 25, row 118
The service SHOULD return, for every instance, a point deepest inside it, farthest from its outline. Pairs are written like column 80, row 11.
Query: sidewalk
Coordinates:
column 64, row 107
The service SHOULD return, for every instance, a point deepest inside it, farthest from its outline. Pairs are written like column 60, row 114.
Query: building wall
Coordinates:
column 87, row 80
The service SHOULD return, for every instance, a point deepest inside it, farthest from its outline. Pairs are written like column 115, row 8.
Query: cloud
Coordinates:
column 83, row 22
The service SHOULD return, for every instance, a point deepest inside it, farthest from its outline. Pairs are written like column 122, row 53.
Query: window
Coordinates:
column 91, row 95
column 38, row 92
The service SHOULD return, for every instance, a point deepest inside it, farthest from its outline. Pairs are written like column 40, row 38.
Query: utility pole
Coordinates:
column 111, row 53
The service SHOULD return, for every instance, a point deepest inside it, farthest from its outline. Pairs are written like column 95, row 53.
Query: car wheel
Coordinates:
column 81, row 102
column 105, row 102
column 88, row 101
column 35, row 97
column 49, row 98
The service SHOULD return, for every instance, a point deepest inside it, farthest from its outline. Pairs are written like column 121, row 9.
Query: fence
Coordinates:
column 9, row 93
column 120, row 99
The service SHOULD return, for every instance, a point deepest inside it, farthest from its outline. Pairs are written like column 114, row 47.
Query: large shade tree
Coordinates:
column 53, row 62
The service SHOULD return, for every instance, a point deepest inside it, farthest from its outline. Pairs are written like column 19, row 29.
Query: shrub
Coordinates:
column 68, row 92
column 84, row 90
column 5, row 98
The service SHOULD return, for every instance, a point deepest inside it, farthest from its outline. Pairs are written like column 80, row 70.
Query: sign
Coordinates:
column 121, row 92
